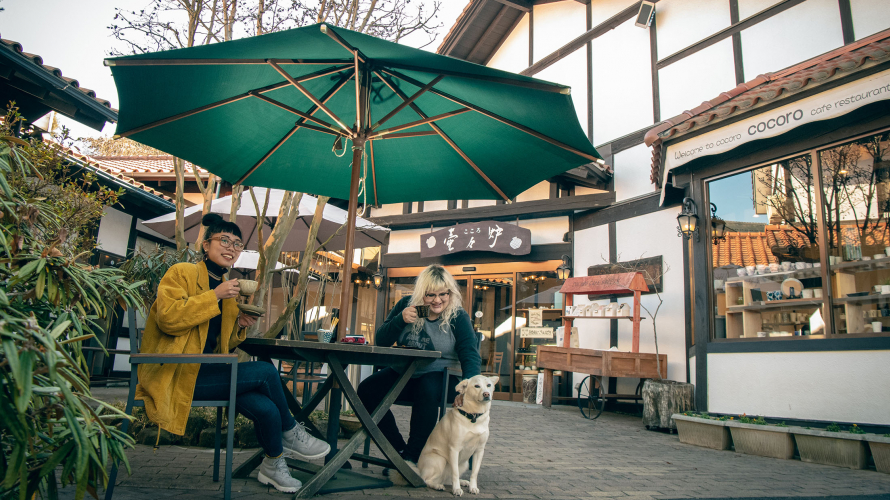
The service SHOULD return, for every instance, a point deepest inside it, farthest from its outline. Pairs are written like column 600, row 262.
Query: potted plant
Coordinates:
column 832, row 446
column 753, row 436
column 880, row 451
column 349, row 423
column 703, row 430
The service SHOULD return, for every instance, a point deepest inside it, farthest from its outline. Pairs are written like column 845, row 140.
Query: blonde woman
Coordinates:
column 446, row 328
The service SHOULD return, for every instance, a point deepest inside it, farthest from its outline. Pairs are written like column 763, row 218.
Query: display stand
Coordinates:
column 596, row 362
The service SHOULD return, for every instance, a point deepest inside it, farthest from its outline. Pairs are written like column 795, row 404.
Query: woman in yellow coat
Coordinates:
column 196, row 312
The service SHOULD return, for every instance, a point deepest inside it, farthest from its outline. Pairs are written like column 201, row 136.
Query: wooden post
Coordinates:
column 636, row 337
column 548, row 388
column 348, row 255
column 567, row 332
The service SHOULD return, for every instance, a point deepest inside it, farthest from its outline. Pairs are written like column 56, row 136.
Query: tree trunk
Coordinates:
column 271, row 249
column 179, row 171
column 207, row 191
column 663, row 398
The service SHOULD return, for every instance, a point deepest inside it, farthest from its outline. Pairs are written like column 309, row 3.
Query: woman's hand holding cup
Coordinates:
column 227, row 290
column 409, row 314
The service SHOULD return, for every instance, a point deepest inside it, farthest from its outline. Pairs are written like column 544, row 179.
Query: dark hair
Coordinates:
column 216, row 224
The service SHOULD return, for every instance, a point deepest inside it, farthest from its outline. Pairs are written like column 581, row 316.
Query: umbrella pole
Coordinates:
column 358, row 145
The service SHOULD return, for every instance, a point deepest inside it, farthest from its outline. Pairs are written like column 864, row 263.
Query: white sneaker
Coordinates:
column 299, row 444
column 274, row 471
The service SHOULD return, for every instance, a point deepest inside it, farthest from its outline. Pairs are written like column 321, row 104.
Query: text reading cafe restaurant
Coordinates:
column 785, row 183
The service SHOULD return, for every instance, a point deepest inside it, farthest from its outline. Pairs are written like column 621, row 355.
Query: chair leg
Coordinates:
column 131, row 396
column 367, row 450
column 216, row 444
column 230, row 442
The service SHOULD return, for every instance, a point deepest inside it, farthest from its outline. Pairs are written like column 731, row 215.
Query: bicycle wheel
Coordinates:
column 590, row 397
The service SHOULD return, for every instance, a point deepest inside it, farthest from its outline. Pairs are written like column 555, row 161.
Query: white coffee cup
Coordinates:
column 866, row 257
column 800, row 265
column 877, row 288
column 787, row 266
column 751, row 270
column 718, row 283
column 878, row 256
column 762, row 268
column 876, row 326
column 887, row 251
column 807, row 293
column 741, row 272
column 885, row 289
column 774, row 267
column 761, row 334
column 817, row 293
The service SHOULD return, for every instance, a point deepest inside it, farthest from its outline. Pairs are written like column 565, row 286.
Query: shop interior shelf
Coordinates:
column 539, row 309
column 526, row 372
column 865, row 299
column 601, row 317
column 813, row 272
column 775, row 304
column 862, row 265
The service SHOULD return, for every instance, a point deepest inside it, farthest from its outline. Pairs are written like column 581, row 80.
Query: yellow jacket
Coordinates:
column 177, row 324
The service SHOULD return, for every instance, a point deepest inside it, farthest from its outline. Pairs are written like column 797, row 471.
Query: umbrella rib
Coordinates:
column 269, row 153
column 404, row 135
column 333, row 90
column 420, row 122
column 311, row 97
column 535, row 85
column 447, row 139
column 409, row 101
column 268, row 88
column 296, row 112
column 497, row 117
column 373, row 174
column 327, row 30
column 217, row 62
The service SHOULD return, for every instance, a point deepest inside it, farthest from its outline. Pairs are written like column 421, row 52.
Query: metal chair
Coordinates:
column 308, row 377
column 141, row 359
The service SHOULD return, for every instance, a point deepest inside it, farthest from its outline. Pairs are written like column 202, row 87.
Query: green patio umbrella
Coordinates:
column 277, row 110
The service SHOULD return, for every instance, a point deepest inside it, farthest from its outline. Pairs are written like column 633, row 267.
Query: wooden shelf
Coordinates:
column 601, row 317
column 526, row 372
column 542, row 309
column 865, row 299
column 857, row 266
column 775, row 304
column 813, row 272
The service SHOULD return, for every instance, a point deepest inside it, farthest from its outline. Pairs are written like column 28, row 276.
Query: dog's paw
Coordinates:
column 464, row 482
column 457, row 491
column 474, row 488
column 440, row 487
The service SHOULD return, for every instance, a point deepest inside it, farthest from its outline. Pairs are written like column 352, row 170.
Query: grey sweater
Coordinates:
column 457, row 341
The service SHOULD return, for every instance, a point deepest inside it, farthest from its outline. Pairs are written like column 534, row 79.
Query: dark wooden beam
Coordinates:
column 522, row 210
column 728, row 32
column 589, row 44
column 539, row 253
column 599, row 30
column 523, row 5
column 622, row 210
column 531, row 37
column 846, row 21
column 737, row 59
column 653, row 55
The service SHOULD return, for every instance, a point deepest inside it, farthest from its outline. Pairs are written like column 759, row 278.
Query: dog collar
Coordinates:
column 471, row 416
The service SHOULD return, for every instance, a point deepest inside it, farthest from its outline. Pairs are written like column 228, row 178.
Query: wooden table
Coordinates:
column 596, row 363
column 320, row 480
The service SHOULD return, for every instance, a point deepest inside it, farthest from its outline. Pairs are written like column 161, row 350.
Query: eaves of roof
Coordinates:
column 51, row 77
column 769, row 88
column 145, row 166
column 480, row 30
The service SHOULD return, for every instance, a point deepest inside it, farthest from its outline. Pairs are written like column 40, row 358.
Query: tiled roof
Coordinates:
column 36, row 59
column 90, row 162
column 778, row 243
column 447, row 38
column 136, row 165
column 769, row 88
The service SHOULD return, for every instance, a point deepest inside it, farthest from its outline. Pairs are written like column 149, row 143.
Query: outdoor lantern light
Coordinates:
column 378, row 280
column 645, row 14
column 688, row 219
column 718, row 226
column 565, row 269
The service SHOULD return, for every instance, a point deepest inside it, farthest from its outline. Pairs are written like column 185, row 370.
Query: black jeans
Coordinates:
column 259, row 398
column 425, row 392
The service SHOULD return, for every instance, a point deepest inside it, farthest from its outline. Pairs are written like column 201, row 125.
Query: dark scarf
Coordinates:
column 215, row 274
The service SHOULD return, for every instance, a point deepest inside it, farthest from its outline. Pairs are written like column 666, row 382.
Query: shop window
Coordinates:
column 398, row 289
column 767, row 276
column 537, row 291
column 856, row 187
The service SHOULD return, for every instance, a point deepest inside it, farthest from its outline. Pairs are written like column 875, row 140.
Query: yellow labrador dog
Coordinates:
column 461, row 434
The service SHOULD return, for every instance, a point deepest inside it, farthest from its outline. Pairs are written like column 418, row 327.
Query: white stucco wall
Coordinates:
column 801, row 32
column 431, row 206
column 540, row 191
column 556, row 24
column 869, row 17
column 405, row 241
column 840, row 386
column 691, row 371
column 632, row 168
column 748, row 8
column 114, row 231
column 700, row 77
column 591, row 248
column 480, row 203
column 513, row 53
column 387, row 209
column 676, row 32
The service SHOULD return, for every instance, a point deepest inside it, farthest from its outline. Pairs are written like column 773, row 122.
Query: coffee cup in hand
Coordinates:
column 422, row 311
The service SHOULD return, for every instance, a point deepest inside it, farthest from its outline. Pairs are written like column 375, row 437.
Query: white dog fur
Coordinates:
column 456, row 438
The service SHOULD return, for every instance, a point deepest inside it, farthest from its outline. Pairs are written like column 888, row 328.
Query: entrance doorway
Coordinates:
column 491, row 310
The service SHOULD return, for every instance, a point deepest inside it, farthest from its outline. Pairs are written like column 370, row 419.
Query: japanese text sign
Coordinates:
column 489, row 236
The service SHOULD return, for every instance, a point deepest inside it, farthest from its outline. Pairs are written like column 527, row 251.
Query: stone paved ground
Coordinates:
column 550, row 454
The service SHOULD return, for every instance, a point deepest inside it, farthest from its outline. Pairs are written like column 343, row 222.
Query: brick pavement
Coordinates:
column 549, row 454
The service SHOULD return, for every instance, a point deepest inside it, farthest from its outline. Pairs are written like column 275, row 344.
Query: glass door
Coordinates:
column 491, row 310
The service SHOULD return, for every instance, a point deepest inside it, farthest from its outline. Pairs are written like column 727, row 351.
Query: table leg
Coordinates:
column 370, row 426
column 548, row 388
column 333, row 420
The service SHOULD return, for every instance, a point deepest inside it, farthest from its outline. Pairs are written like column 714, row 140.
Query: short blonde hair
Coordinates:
column 435, row 278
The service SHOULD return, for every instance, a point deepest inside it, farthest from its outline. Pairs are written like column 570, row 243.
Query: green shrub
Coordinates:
column 833, row 427
column 856, row 430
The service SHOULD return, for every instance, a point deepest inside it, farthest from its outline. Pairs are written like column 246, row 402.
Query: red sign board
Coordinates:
column 487, row 236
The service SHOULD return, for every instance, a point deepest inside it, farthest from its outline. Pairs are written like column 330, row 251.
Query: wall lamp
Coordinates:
column 565, row 269
column 378, row 280
column 718, row 226
column 688, row 219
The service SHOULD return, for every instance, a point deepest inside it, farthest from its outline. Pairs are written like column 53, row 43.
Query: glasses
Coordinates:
column 227, row 243
column 442, row 296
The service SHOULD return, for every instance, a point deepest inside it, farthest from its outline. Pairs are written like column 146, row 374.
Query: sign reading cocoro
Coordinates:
column 487, row 236
column 826, row 105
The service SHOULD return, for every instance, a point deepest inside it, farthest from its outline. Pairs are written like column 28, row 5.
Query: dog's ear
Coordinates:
column 494, row 380
column 462, row 386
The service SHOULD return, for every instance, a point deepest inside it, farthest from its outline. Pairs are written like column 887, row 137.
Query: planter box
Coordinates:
column 831, row 448
column 880, row 451
column 762, row 440
column 702, row 432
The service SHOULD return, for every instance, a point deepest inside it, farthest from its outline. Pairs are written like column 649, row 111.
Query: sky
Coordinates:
column 73, row 35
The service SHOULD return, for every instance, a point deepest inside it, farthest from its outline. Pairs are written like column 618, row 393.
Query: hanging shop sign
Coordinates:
column 488, row 236
column 824, row 106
